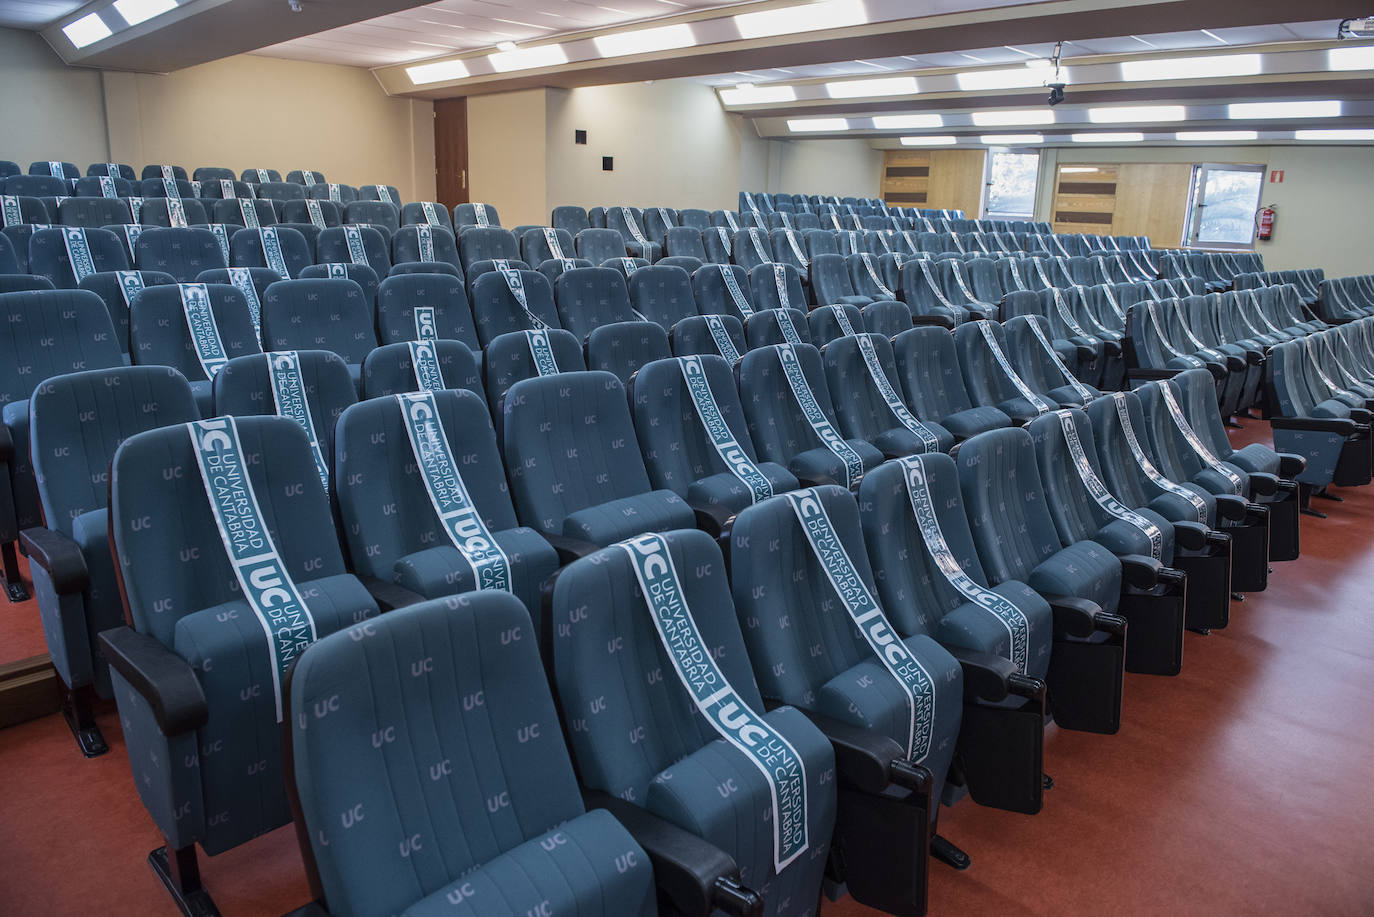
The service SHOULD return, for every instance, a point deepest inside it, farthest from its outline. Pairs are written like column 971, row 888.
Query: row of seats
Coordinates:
column 160, row 171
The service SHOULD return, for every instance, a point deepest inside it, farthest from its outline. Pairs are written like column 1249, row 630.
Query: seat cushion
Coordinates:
column 973, row 421
column 442, row 570
column 1256, row 457
column 814, row 464
column 974, row 627
column 240, row 744
column 726, row 490
column 901, row 441
column 1084, row 569
column 607, row 523
column 589, row 866
column 1121, row 537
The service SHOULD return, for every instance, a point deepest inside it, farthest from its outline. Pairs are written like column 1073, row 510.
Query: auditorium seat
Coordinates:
column 163, row 171
column 511, row 300
column 486, row 243
column 827, row 323
column 172, row 211
column 575, row 469
column 517, row 355
column 280, row 191
column 152, row 188
column 398, row 508
column 252, row 282
column 320, row 314
column 260, row 176
column 629, row 224
column 599, row 245
column 422, row 243
column 92, row 212
column 862, row 379
column 364, row 245
column 393, row 369
column 183, row 253
column 109, row 169
column 430, row 213
column 69, row 254
column 305, row 177
column 243, row 212
column 477, row 215
column 377, row 214
column 335, row 193
column 36, row 186
column 117, row 290
column 402, row 299
column 204, row 740
column 989, row 377
column 1040, row 365
column 570, row 219
column 543, row 851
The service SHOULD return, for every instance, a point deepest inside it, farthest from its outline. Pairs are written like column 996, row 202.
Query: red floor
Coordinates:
column 1239, row 787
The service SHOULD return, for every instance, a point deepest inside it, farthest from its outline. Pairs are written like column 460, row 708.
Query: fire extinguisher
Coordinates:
column 1264, row 222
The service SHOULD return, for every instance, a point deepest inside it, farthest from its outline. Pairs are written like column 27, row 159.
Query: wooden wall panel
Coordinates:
column 1152, row 198
column 934, row 178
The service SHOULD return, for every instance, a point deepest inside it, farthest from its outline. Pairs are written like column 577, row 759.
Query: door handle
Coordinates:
column 465, row 179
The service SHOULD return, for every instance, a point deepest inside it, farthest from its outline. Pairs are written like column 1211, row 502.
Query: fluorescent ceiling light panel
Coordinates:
column 1077, row 170
column 1014, row 78
column 1191, row 68
column 1130, row 113
column 813, row 125
column 136, row 11
column 1010, row 139
column 749, row 94
column 86, row 31
column 433, row 73
column 806, row 17
column 1012, row 117
column 880, row 86
column 1279, row 110
column 1211, row 136
column 906, row 122
column 1107, row 138
column 1360, row 57
column 528, row 58
column 645, row 41
column 931, row 140
column 1351, row 134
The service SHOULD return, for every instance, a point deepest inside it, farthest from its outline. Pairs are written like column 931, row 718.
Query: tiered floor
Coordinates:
column 1240, row 787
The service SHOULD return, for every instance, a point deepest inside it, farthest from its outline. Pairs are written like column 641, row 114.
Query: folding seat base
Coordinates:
column 1208, row 604
column 77, row 710
column 1250, row 553
column 1284, row 538
column 14, row 583
column 881, row 850
column 1353, row 468
column 1001, row 755
column 1156, row 622
column 1085, row 679
column 179, row 872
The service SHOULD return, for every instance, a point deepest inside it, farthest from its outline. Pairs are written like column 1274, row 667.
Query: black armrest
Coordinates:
column 1151, row 375
column 819, row 480
column 570, row 549
column 59, row 556
column 711, row 518
column 1339, row 425
column 1254, row 357
column 687, row 869
column 164, row 679
column 1218, row 370
column 865, row 759
column 1075, row 617
column 1235, row 363
column 1191, row 536
column 313, row 909
column 944, row 321
column 1291, row 465
column 6, row 444
column 1140, row 571
column 1231, row 507
column 1263, row 483
column 1218, row 539
column 389, row 595
column 1361, row 415
column 1085, row 353
column 992, row 678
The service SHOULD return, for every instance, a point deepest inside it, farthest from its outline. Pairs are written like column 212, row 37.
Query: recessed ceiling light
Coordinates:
column 645, row 41
column 528, row 58
column 505, row 46
column 1014, row 78
column 1216, row 135
column 1129, row 113
column 906, row 122
column 931, row 140
column 1010, row 139
column 86, row 31
column 749, row 94
column 813, row 125
column 1107, row 138
column 1350, row 134
column 1360, row 57
column 878, row 86
column 1078, row 170
column 1040, row 63
column 1013, row 116
column 806, row 17
column 1279, row 110
column 1191, row 68
column 433, row 73
column 136, row 11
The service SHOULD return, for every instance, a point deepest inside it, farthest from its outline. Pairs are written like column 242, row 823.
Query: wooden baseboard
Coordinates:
column 29, row 689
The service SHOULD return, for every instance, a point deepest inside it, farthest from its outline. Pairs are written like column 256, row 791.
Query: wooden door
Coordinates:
column 451, row 151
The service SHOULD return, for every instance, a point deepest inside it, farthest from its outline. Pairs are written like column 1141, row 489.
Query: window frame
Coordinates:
column 1197, row 201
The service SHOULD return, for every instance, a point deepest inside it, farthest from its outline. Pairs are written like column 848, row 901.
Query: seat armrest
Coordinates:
column 992, row 678
column 820, row 480
column 1254, row 357
column 1190, row 535
column 1291, row 464
column 943, row 321
column 1340, row 425
column 570, row 549
column 1235, row 363
column 1263, row 484
column 60, row 556
column 165, row 680
column 1231, row 507
column 712, row 518
column 1151, row 375
column 1361, row 415
column 389, row 595
column 6, row 444
column 1085, row 353
column 1218, row 370
column 1076, row 617
column 695, row 876
column 1140, row 571
column 865, row 759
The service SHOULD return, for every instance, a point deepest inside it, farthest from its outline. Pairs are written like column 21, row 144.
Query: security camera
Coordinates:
column 1056, row 93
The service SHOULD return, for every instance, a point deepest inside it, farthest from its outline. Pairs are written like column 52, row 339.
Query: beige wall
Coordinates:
column 240, row 112
column 1322, row 203
column 845, row 168
column 507, row 154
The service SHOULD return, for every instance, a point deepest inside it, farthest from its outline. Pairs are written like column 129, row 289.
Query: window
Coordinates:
column 1011, row 180
column 1224, row 201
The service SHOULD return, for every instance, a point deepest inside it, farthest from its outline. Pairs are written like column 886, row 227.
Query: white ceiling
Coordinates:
column 452, row 26
column 34, row 14
column 1166, row 41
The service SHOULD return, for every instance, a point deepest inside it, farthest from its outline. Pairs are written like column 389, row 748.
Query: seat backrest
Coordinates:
column 374, row 213
column 103, row 186
column 827, row 323
column 777, row 425
column 425, row 243
column 571, row 219
column 329, row 314
column 390, row 370
column 239, row 211
column 426, row 212
column 624, row 347
column 486, row 243
column 49, row 332
column 716, row 294
column 830, row 278
column 184, row 253
column 260, row 176
column 511, row 357
column 159, row 335
column 480, row 215
column 497, row 309
column 51, row 251
column 355, row 244
column 117, row 290
column 489, row 651
column 572, row 430
column 111, row 169
column 305, row 176
column 280, row 191
column 599, row 245
column 36, row 186
column 860, row 403
column 281, row 248
column 93, row 212
column 662, row 294
column 685, row 240
column 777, row 286
column 590, row 297
column 320, row 214
column 399, row 296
